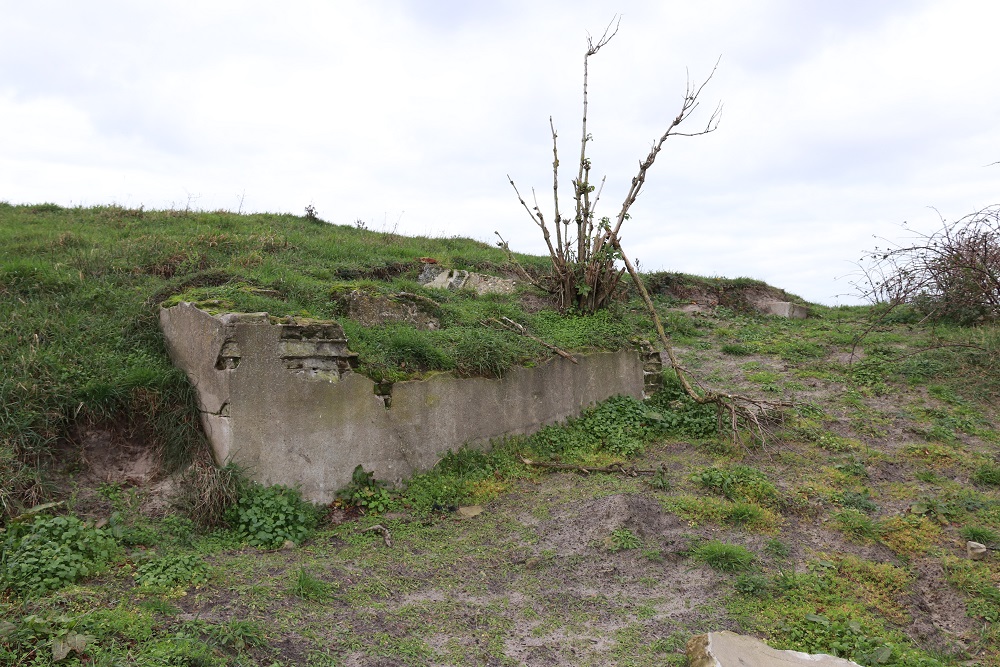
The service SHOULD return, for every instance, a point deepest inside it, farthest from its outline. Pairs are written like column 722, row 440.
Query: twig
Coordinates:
column 630, row 471
column 508, row 323
column 386, row 535
column 517, row 265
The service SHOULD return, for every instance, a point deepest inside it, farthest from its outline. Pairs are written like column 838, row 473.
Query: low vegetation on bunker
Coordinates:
column 609, row 539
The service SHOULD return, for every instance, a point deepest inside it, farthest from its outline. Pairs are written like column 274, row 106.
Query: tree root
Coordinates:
column 628, row 471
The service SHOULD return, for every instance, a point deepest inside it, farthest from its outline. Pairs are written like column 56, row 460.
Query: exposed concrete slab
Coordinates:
column 282, row 400
column 784, row 309
column 728, row 649
column 437, row 276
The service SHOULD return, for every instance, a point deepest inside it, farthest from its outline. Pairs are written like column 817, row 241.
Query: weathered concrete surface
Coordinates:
column 787, row 309
column 282, row 400
column 438, row 276
column 728, row 649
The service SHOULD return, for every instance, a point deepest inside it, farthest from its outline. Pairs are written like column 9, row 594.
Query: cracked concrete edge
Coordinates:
column 728, row 649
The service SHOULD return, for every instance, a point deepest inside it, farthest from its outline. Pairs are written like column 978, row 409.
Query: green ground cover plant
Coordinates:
column 268, row 516
column 48, row 552
column 172, row 571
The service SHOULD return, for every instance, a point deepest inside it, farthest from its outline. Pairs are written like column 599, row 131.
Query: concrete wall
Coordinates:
column 282, row 399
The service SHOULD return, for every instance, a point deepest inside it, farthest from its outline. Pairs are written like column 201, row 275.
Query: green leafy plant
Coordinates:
column 435, row 492
column 738, row 482
column 846, row 638
column 59, row 631
column 368, row 493
column 267, row 516
column 237, row 635
column 623, row 539
column 859, row 500
column 48, row 552
column 660, row 481
column 679, row 413
column 620, row 424
column 852, row 467
column 753, row 585
column 934, row 509
column 171, row 571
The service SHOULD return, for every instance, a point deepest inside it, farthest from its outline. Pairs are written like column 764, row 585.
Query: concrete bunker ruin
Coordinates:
column 281, row 398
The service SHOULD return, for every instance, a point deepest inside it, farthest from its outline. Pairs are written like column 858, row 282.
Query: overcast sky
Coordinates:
column 841, row 119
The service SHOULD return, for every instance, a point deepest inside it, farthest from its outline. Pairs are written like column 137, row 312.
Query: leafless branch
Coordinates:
column 585, row 275
column 951, row 273
column 743, row 414
column 508, row 323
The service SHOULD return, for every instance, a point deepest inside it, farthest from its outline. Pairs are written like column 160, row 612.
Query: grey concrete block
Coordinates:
column 288, row 424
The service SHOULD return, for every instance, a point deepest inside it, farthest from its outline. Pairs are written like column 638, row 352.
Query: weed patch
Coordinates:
column 738, row 482
column 267, row 516
column 858, row 525
column 49, row 552
column 172, row 571
column 724, row 557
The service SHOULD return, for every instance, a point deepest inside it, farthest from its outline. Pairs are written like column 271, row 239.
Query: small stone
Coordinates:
column 469, row 511
column 975, row 550
column 287, row 544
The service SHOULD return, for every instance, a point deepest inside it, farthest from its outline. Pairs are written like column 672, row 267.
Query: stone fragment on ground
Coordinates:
column 975, row 550
column 728, row 649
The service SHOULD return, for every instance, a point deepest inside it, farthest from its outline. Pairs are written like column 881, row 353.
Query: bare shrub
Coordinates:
column 951, row 274
column 585, row 257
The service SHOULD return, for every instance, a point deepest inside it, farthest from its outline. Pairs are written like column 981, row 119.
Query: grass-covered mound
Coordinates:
column 844, row 533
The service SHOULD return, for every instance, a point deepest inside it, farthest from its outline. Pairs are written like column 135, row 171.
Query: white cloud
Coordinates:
column 841, row 119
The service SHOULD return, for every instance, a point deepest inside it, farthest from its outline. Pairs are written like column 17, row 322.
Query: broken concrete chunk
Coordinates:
column 975, row 550
column 728, row 649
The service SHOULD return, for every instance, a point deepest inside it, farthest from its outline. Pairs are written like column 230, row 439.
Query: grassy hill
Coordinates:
column 844, row 532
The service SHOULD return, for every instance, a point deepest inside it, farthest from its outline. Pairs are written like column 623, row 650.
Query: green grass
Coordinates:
column 724, row 557
column 896, row 452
